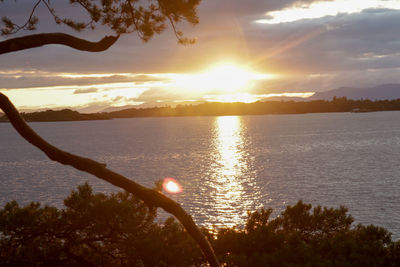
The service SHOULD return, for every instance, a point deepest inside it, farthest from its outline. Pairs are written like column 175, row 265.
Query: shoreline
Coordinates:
column 221, row 109
column 206, row 115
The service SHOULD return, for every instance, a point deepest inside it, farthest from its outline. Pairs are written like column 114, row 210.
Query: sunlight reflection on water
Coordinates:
column 228, row 192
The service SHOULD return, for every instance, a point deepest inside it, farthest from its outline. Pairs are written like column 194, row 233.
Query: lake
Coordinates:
column 226, row 165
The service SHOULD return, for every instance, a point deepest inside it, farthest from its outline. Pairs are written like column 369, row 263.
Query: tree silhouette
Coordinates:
column 119, row 230
column 146, row 19
column 92, row 230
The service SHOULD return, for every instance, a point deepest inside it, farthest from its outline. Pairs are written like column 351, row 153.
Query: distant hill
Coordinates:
column 285, row 98
column 112, row 108
column 59, row 115
column 381, row 92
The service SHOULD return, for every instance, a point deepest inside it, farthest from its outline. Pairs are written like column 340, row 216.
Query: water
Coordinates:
column 226, row 165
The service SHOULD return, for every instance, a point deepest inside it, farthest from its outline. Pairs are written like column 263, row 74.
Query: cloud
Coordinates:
column 20, row 79
column 86, row 91
column 326, row 8
column 315, row 54
column 160, row 94
column 347, row 42
column 250, row 7
column 117, row 99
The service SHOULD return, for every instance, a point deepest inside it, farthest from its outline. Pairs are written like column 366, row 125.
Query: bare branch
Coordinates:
column 37, row 40
column 151, row 197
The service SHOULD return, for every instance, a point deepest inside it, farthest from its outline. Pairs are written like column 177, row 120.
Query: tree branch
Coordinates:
column 37, row 40
column 29, row 24
column 151, row 197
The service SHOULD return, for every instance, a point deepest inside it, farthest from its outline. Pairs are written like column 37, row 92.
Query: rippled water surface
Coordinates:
column 226, row 165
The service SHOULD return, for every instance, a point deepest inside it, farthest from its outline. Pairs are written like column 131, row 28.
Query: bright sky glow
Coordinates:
column 170, row 185
column 251, row 98
column 322, row 9
column 94, row 75
column 224, row 82
column 221, row 78
column 55, row 97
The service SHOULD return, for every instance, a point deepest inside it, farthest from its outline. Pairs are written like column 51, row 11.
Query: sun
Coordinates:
column 227, row 78
column 222, row 78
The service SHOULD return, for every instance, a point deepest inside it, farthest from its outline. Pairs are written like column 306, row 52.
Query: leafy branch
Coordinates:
column 122, row 16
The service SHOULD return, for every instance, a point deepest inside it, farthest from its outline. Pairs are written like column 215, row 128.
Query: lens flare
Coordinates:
column 170, row 185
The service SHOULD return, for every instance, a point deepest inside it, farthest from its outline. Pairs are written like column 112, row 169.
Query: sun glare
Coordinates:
column 221, row 79
column 170, row 185
column 227, row 78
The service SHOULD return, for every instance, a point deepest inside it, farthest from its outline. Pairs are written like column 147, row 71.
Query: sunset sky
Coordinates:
column 246, row 51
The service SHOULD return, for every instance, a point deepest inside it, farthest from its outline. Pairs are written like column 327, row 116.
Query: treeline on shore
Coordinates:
column 341, row 104
column 118, row 230
column 262, row 108
column 59, row 115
